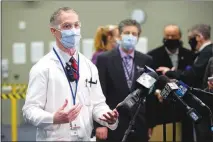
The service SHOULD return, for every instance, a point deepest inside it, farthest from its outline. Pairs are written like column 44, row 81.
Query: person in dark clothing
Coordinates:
column 171, row 55
column 199, row 40
column 118, row 71
column 105, row 40
column 193, row 76
column 208, row 72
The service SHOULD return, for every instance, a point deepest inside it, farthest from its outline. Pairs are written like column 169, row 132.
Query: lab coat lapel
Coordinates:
column 56, row 60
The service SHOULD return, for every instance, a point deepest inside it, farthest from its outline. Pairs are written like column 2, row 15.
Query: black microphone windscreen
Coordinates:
column 162, row 81
column 153, row 74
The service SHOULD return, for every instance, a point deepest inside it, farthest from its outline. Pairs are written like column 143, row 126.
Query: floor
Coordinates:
column 25, row 133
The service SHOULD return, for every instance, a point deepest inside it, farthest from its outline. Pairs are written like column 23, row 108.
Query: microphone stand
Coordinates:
column 173, row 123
column 211, row 120
column 132, row 122
column 203, row 105
column 201, row 91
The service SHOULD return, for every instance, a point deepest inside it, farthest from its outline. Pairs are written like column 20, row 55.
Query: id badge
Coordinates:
column 74, row 126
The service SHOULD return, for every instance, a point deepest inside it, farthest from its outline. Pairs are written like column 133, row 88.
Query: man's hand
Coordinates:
column 164, row 69
column 210, row 85
column 110, row 117
column 61, row 116
column 150, row 132
column 158, row 95
column 102, row 133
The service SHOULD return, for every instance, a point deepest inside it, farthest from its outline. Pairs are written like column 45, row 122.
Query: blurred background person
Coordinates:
column 200, row 34
column 106, row 38
column 203, row 130
column 118, row 71
column 208, row 73
column 208, row 83
column 170, row 55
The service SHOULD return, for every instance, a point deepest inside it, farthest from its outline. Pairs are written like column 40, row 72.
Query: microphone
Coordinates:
column 144, row 69
column 170, row 91
column 200, row 91
column 145, row 84
column 184, row 89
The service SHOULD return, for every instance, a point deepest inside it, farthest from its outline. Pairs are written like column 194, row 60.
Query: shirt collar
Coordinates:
column 170, row 53
column 124, row 54
column 204, row 45
column 65, row 56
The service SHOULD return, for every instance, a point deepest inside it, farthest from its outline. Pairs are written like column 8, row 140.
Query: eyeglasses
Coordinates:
column 68, row 26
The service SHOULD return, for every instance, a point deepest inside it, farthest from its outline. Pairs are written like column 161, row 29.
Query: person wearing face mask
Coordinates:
column 200, row 41
column 60, row 101
column 118, row 71
column 106, row 38
column 171, row 54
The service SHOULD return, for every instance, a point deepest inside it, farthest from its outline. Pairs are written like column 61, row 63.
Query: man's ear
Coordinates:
column 53, row 30
column 199, row 37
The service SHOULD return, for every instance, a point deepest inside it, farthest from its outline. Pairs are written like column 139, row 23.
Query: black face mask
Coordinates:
column 193, row 43
column 172, row 44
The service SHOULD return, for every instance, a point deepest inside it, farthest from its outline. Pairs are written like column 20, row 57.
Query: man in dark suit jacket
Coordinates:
column 203, row 130
column 199, row 39
column 171, row 55
column 200, row 35
column 118, row 71
column 208, row 72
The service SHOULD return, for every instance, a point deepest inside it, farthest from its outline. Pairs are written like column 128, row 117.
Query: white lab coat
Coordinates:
column 47, row 90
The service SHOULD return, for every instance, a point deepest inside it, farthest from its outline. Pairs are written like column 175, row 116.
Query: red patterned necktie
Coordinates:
column 74, row 66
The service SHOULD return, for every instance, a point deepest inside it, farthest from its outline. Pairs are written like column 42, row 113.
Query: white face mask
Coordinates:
column 70, row 38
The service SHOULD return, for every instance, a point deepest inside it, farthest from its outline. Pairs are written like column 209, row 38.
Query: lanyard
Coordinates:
column 73, row 94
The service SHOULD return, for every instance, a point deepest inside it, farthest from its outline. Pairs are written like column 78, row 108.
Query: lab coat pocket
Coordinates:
column 52, row 133
column 62, row 133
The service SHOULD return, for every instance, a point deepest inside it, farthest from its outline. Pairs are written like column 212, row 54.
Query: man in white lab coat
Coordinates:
column 64, row 93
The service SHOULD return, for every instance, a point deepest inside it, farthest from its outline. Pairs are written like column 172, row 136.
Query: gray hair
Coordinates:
column 129, row 22
column 203, row 29
column 54, row 17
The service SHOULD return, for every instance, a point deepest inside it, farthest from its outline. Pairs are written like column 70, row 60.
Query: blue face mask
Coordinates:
column 128, row 42
column 70, row 38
